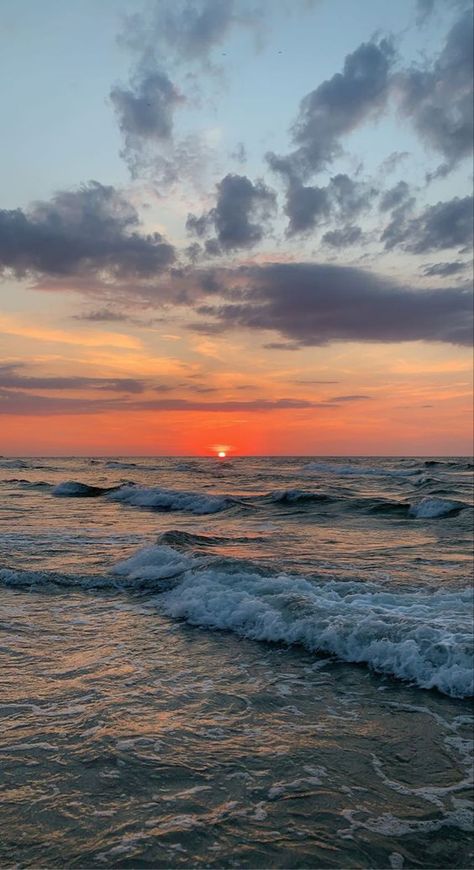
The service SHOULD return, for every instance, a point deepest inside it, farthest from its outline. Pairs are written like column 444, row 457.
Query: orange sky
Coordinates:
column 235, row 228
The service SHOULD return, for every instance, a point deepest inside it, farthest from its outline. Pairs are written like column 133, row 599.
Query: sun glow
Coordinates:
column 222, row 454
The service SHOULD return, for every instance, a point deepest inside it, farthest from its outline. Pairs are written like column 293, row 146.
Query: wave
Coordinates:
column 185, row 540
column 354, row 470
column 432, row 508
column 427, row 508
column 76, row 489
column 420, row 636
column 158, row 499
column 115, row 463
column 295, row 496
column 14, row 463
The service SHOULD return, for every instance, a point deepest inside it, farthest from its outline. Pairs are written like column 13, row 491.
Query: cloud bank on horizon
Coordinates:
column 279, row 186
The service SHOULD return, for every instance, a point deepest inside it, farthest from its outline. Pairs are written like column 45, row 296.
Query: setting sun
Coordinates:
column 222, row 454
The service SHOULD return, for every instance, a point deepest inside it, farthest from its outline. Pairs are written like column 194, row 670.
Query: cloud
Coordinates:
column 239, row 217
column 392, row 161
column 9, row 378
column 282, row 345
column 145, row 110
column 239, row 154
column 312, row 304
column 444, row 270
column 13, row 325
column 307, row 207
column 337, row 107
column 349, row 398
column 191, row 30
column 395, row 196
column 343, row 199
column 424, row 10
column 444, row 225
column 438, row 98
column 28, row 404
column 90, row 231
column 348, row 235
column 103, row 315
column 165, row 36
column 310, row 381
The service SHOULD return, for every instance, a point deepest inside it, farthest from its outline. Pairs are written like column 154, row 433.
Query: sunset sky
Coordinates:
column 239, row 225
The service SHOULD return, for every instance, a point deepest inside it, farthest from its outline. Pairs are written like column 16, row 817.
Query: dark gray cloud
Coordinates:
column 444, row 225
column 145, row 109
column 395, row 196
column 306, row 207
column 10, row 378
column 89, row 231
column 312, row 304
column 343, row 238
column 337, row 107
column 342, row 200
column 239, row 217
column 438, row 98
column 444, row 270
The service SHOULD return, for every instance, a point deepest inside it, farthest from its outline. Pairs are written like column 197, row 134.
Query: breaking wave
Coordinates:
column 421, row 636
column 155, row 498
column 432, row 508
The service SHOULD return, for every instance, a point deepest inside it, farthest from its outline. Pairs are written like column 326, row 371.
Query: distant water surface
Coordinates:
column 236, row 663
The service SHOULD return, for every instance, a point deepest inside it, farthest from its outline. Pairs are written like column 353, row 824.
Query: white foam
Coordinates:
column 421, row 636
column 430, row 508
column 171, row 500
column 154, row 563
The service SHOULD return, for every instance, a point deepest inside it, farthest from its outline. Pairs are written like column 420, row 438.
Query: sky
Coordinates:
column 236, row 225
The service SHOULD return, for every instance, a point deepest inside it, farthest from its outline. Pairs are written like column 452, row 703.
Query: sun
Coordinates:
column 222, row 454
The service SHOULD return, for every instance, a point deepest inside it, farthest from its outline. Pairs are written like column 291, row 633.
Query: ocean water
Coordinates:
column 240, row 663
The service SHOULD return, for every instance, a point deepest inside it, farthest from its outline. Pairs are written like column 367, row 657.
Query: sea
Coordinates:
column 239, row 662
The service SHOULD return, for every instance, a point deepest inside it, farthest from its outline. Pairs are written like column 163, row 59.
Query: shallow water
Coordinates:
column 138, row 733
